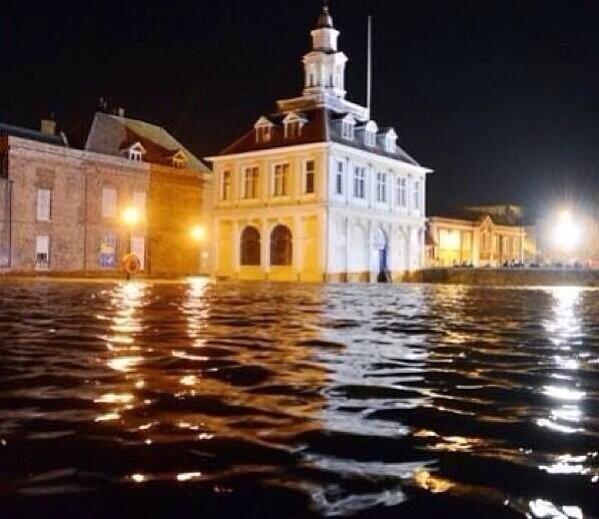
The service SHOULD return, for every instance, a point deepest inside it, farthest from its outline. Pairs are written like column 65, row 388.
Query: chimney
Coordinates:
column 48, row 126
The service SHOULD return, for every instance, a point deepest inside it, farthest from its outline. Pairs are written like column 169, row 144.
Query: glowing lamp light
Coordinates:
column 198, row 233
column 567, row 232
column 130, row 216
column 449, row 240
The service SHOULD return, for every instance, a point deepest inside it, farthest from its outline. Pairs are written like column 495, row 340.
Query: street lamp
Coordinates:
column 198, row 233
column 566, row 233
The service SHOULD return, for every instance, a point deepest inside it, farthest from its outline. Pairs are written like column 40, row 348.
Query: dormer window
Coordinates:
column 370, row 133
column 135, row 152
column 391, row 141
column 179, row 160
column 263, row 129
column 293, row 124
column 348, row 127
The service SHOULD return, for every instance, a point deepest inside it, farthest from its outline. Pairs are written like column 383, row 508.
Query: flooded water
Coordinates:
column 285, row 401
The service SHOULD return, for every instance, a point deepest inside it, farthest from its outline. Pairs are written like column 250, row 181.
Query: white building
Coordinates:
column 318, row 191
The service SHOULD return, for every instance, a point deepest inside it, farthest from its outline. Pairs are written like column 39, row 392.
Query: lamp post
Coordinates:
column 130, row 217
column 198, row 235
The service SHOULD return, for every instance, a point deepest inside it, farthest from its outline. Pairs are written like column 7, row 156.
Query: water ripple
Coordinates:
column 264, row 400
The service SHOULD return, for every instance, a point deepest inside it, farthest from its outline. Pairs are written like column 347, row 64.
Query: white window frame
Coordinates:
column 263, row 133
column 370, row 138
column 401, row 192
column 348, row 129
column 225, row 185
column 280, row 179
column 251, row 182
column 359, row 182
column 417, row 196
column 40, row 239
column 390, row 144
column 381, row 187
column 41, row 214
column 110, row 211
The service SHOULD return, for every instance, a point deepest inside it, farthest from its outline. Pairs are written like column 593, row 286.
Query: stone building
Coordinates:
column 318, row 190
column 482, row 236
column 62, row 199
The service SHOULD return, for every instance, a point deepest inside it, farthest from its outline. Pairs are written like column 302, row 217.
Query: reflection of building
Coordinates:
column 318, row 190
column 478, row 236
column 62, row 197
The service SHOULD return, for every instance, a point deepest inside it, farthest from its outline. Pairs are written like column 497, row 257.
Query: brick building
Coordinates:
column 62, row 199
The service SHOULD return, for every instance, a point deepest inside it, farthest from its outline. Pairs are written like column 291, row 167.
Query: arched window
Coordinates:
column 250, row 247
column 280, row 246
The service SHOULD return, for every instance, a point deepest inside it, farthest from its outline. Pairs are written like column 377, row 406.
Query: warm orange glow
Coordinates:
column 130, row 216
column 198, row 233
column 449, row 239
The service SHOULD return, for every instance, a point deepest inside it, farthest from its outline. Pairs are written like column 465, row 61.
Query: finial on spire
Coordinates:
column 325, row 20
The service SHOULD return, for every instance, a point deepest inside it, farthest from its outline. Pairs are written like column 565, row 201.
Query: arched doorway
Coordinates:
column 381, row 251
column 281, row 246
column 250, row 247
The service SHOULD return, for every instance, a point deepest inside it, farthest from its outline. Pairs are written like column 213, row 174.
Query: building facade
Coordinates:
column 62, row 203
column 318, row 191
column 485, row 236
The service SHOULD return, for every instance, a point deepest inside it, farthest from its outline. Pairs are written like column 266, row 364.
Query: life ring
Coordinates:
column 131, row 264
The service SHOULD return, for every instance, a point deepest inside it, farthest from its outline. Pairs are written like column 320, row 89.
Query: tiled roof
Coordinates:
column 26, row 133
column 478, row 216
column 111, row 134
column 322, row 125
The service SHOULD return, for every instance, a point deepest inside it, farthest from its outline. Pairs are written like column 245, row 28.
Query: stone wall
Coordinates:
column 507, row 277
column 175, row 201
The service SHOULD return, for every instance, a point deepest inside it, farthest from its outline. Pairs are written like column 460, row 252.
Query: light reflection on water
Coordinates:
column 347, row 400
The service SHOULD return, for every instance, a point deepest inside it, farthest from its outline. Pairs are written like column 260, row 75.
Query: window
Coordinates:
column 400, row 196
column 139, row 202
column 136, row 152
column 108, row 250
column 225, row 185
column 263, row 128
column 280, row 246
column 417, row 196
column 44, row 202
column 250, row 183
column 339, row 178
column 42, row 252
column 4, row 165
column 250, row 247
column 370, row 138
column 391, row 141
column 310, row 174
column 292, row 130
column 370, row 132
column 180, row 160
column 359, row 182
column 347, row 128
column 109, row 202
column 381, row 187
column 281, row 180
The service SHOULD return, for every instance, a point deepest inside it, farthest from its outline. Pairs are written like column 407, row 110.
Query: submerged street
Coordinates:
column 276, row 400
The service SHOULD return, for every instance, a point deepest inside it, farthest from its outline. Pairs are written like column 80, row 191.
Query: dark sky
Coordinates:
column 501, row 98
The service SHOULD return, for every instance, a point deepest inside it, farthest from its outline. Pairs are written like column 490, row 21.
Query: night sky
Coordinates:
column 500, row 98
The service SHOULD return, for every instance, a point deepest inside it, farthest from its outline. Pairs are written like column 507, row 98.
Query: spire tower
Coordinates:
column 324, row 65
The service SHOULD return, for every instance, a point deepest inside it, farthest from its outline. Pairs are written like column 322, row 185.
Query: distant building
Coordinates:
column 478, row 236
column 61, row 202
column 318, row 190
